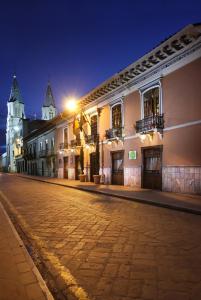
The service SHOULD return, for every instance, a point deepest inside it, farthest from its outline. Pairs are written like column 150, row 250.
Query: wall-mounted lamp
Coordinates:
column 143, row 137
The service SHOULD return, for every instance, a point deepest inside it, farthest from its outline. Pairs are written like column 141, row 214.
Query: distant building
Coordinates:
column 18, row 126
column 3, row 162
column 15, row 115
column 48, row 109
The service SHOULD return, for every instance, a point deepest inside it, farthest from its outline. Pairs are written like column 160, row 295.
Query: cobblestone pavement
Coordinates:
column 104, row 248
column 19, row 278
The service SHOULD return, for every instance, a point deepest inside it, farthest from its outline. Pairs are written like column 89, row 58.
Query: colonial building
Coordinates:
column 141, row 127
column 146, row 119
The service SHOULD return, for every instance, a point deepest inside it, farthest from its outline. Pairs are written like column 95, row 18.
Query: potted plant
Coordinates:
column 82, row 175
column 97, row 179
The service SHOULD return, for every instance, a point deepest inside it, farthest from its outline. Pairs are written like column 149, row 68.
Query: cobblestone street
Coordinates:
column 104, row 248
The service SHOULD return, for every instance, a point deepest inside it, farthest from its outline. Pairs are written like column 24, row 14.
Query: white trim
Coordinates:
column 129, row 137
column 182, row 125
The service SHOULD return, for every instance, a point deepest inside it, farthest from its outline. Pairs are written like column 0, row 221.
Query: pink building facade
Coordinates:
column 143, row 125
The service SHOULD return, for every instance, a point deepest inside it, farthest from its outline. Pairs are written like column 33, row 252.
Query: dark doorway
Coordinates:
column 42, row 168
column 118, row 167
column 77, row 167
column 94, row 169
column 152, row 168
column 66, row 167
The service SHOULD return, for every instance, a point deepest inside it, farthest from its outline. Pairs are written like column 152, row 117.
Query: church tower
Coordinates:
column 13, row 131
column 48, row 109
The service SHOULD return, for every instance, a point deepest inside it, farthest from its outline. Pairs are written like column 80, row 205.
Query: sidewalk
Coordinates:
column 182, row 202
column 19, row 277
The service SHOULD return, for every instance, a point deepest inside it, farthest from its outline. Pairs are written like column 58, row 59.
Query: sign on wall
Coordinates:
column 132, row 154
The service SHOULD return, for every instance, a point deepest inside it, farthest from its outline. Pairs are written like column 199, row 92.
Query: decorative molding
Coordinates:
column 182, row 125
column 179, row 60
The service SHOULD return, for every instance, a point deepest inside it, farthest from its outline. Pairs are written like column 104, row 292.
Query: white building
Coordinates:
column 16, row 120
column 48, row 109
column 15, row 115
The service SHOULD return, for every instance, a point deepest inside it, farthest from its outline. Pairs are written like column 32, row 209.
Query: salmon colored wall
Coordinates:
column 131, row 112
column 59, row 137
column 104, row 121
column 136, row 145
column 182, row 146
column 182, row 94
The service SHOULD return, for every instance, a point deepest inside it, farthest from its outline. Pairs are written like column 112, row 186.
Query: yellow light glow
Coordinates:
column 71, row 104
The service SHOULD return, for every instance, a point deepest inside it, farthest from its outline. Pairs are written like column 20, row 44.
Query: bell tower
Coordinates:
column 49, row 109
column 16, row 113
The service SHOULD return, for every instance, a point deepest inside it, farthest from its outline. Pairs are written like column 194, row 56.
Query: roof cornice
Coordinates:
column 168, row 49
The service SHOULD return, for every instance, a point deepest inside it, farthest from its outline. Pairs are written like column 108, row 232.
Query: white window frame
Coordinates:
column 122, row 111
column 146, row 88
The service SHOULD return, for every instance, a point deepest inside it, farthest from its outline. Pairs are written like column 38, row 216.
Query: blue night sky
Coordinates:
column 78, row 44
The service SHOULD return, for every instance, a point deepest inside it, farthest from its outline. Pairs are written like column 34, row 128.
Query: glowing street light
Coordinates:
column 71, row 104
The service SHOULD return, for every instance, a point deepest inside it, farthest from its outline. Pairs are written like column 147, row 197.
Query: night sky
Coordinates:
column 78, row 44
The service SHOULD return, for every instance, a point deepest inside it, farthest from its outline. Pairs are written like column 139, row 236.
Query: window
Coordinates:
column 116, row 116
column 41, row 146
column 51, row 115
column 151, row 102
column 94, row 125
column 52, row 143
column 65, row 135
column 34, row 149
column 46, row 145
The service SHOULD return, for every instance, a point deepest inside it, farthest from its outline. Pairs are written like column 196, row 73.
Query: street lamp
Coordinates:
column 71, row 104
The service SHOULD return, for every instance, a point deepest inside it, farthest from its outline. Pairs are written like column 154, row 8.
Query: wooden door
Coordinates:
column 93, row 166
column 66, row 167
column 152, row 168
column 77, row 167
column 118, row 167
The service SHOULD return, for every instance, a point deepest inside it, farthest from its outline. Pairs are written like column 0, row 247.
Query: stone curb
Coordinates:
column 136, row 199
column 29, row 260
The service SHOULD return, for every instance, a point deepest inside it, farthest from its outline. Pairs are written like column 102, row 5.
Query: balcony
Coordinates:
column 114, row 133
column 91, row 139
column 63, row 146
column 75, row 143
column 150, row 123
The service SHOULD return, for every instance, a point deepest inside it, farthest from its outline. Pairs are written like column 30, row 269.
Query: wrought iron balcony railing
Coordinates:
column 63, row 146
column 114, row 133
column 91, row 139
column 150, row 123
column 75, row 143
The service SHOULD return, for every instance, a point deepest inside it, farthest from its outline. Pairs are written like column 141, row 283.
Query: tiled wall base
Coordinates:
column 181, row 179
column 132, row 176
column 71, row 173
column 60, row 173
column 107, row 175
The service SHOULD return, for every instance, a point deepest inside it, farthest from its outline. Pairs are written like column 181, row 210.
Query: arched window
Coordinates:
column 116, row 116
column 151, row 102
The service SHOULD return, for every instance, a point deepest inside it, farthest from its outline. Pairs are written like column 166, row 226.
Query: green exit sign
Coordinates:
column 132, row 154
